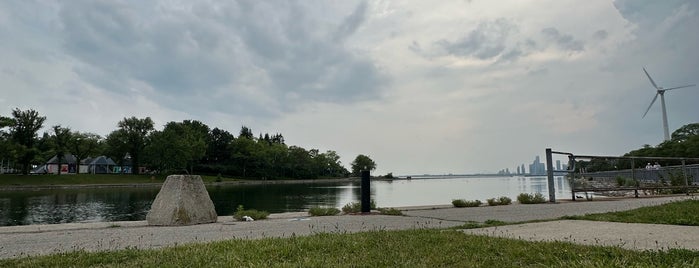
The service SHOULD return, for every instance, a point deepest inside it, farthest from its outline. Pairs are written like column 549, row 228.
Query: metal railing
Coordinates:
column 682, row 177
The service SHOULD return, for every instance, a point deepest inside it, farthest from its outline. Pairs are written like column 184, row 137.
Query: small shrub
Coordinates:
column 460, row 203
column 525, row 198
column 625, row 182
column 252, row 213
column 500, row 201
column 390, row 211
column 319, row 211
column 356, row 207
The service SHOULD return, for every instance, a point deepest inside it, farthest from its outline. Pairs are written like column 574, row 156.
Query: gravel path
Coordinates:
column 32, row 240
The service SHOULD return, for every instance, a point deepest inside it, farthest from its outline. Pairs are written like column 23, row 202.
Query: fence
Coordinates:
column 614, row 175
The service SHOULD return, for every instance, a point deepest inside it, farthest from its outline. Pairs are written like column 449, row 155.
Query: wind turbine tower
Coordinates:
column 661, row 92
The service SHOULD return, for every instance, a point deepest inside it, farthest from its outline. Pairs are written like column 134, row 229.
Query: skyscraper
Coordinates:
column 537, row 168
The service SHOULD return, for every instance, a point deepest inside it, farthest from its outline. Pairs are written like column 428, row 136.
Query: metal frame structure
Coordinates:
column 654, row 176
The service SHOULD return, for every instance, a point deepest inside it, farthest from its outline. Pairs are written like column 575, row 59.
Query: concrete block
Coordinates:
column 182, row 200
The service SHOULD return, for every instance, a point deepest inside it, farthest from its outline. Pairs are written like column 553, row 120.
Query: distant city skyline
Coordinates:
column 535, row 168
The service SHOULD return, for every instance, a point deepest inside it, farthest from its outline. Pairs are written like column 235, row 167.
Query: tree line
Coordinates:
column 189, row 146
column 684, row 142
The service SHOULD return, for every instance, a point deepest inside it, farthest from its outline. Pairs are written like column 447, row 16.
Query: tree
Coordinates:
column 7, row 152
column 24, row 133
column 83, row 145
column 178, row 146
column 361, row 163
column 685, row 132
column 61, row 139
column 246, row 132
column 218, row 141
column 131, row 137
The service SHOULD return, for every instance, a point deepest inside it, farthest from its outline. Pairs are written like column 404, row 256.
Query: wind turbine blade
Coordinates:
column 679, row 87
column 651, row 79
column 651, row 104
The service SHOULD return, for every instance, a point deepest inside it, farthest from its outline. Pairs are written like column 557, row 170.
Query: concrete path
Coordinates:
column 32, row 240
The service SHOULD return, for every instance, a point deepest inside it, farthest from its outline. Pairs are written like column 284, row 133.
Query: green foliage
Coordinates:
column 83, row 145
column 625, row 182
column 460, row 203
column 361, row 163
column 407, row 248
column 684, row 143
column 51, row 179
column 23, row 134
column 675, row 213
column 356, row 207
column 187, row 146
column 321, row 211
column 525, row 198
column 132, row 138
column 177, row 147
column 390, row 211
column 252, row 213
column 500, row 201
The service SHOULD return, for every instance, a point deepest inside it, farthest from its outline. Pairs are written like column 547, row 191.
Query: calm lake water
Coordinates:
column 126, row 204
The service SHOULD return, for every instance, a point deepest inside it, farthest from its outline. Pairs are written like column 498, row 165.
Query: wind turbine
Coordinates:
column 661, row 92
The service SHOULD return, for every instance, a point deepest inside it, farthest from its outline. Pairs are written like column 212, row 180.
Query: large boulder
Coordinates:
column 182, row 200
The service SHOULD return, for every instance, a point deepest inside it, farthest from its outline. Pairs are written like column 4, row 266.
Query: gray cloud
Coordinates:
column 564, row 41
column 487, row 41
column 351, row 23
column 196, row 53
column 600, row 35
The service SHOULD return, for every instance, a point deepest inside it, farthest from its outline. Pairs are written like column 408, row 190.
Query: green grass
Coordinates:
column 462, row 203
column 74, row 179
column 323, row 211
column 241, row 212
column 409, row 248
column 390, row 211
column 500, row 201
column 675, row 213
column 356, row 207
column 526, row 198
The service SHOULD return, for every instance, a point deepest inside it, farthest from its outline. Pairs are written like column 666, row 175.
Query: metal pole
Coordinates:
column 549, row 172
column 366, row 192
column 633, row 176
column 686, row 181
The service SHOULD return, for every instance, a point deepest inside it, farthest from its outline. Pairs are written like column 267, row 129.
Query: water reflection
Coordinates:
column 124, row 204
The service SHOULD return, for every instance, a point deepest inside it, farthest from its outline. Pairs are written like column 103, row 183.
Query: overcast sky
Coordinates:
column 420, row 86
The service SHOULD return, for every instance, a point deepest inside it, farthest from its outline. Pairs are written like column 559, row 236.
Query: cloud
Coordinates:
column 564, row 41
column 351, row 23
column 485, row 42
column 221, row 55
column 600, row 35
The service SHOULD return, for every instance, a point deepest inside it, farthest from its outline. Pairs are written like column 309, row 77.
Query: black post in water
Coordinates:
column 549, row 173
column 366, row 192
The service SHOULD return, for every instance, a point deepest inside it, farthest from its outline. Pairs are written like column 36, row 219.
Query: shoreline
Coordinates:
column 108, row 236
column 159, row 184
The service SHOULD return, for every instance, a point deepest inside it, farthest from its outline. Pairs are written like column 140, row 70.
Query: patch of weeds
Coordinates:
column 356, row 207
column 525, row 198
column 114, row 226
column 500, row 201
column 252, row 213
column 625, row 182
column 476, row 225
column 320, row 211
column 390, row 211
column 460, row 203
